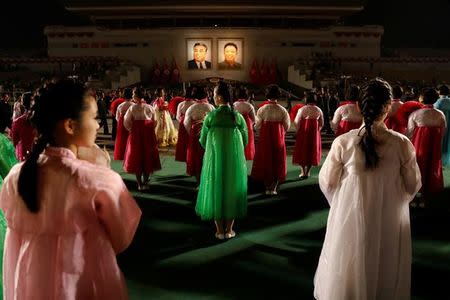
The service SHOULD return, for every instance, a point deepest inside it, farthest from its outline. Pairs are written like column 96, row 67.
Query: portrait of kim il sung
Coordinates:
column 198, row 53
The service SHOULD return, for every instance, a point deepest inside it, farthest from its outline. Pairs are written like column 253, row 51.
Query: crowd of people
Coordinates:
column 64, row 203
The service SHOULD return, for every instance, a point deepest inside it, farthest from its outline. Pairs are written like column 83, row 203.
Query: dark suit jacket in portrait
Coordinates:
column 193, row 65
column 226, row 66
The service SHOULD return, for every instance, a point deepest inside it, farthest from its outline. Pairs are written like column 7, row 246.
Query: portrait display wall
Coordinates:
column 198, row 53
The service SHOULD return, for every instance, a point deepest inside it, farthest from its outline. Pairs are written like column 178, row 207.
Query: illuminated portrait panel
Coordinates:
column 198, row 53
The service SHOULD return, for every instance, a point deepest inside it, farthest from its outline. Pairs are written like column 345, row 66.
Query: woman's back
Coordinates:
column 368, row 220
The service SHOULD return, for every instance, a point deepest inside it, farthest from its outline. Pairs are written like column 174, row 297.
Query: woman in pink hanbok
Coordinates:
column 183, row 135
column 166, row 133
column 122, row 133
column 22, row 132
column 369, row 177
column 193, row 122
column 426, row 128
column 347, row 116
column 308, row 143
column 67, row 218
column 141, row 155
column 272, row 121
column 248, row 112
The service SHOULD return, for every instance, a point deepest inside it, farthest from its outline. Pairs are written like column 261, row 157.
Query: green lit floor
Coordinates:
column 175, row 256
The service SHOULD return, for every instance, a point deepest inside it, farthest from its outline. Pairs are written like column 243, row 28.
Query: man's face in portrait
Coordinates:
column 230, row 53
column 200, row 53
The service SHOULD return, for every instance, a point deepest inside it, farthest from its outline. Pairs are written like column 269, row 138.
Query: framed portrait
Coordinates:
column 198, row 53
column 230, row 54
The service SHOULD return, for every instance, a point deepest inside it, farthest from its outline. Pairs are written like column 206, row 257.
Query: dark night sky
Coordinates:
column 421, row 24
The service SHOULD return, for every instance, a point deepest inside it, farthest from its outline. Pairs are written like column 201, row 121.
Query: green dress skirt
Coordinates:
column 223, row 183
column 7, row 160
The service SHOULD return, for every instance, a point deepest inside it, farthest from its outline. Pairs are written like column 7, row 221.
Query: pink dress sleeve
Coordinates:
column 118, row 212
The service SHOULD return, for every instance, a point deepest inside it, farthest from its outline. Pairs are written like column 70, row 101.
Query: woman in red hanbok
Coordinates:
column 183, row 136
column 23, row 134
column 248, row 112
column 193, row 122
column 122, row 133
column 347, row 116
column 141, row 155
column 392, row 122
column 426, row 129
column 272, row 121
column 308, row 144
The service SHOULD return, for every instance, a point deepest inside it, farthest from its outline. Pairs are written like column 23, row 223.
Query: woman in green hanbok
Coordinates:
column 7, row 160
column 222, row 195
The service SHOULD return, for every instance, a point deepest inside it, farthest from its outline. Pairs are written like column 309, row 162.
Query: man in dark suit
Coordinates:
column 199, row 61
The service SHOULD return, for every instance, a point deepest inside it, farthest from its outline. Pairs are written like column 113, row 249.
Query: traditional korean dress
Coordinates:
column 223, row 185
column 426, row 128
column 392, row 121
column 346, row 117
column 166, row 133
column 183, row 135
column 366, row 254
column 269, row 164
column 193, row 122
column 7, row 161
column 443, row 104
column 308, row 143
column 122, row 133
column 23, row 135
column 113, row 110
column 67, row 250
column 248, row 112
column 141, row 155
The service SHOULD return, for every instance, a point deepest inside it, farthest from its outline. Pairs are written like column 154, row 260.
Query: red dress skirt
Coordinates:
column 308, row 144
column 269, row 164
column 427, row 142
column 121, row 140
column 195, row 152
column 182, row 142
column 141, row 155
column 250, row 148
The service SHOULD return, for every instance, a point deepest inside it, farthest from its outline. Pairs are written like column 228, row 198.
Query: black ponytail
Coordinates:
column 60, row 101
column 374, row 97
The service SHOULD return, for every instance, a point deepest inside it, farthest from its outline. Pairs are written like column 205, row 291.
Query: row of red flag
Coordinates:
column 264, row 73
column 164, row 74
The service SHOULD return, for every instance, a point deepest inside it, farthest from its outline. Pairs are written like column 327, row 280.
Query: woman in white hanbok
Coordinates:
column 369, row 177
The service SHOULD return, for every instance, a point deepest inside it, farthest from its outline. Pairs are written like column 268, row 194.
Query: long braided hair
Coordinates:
column 374, row 97
column 60, row 101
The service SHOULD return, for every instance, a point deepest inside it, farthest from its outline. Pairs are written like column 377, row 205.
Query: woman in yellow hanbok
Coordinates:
column 166, row 133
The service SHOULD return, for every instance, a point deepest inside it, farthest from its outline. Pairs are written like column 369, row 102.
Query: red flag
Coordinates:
column 175, row 78
column 254, row 73
column 272, row 77
column 165, row 76
column 156, row 74
column 264, row 72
